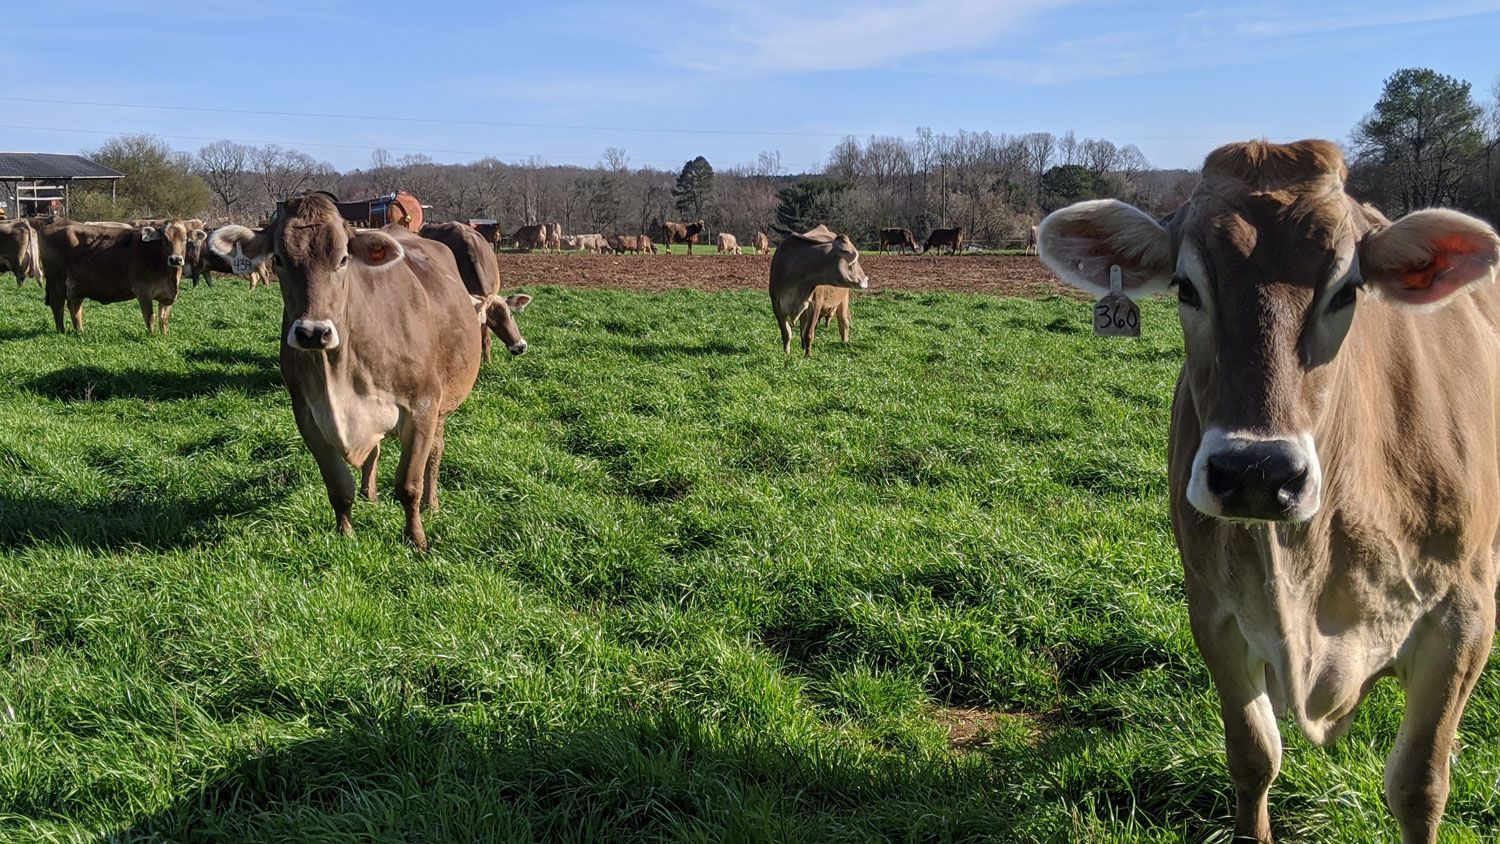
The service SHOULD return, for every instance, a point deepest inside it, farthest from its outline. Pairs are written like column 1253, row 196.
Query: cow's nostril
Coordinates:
column 1291, row 491
column 1221, row 482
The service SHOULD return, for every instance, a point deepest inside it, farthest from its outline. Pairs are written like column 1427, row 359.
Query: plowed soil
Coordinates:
column 998, row 275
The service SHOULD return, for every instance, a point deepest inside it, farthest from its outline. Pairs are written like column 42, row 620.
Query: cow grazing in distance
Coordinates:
column 20, row 252
column 379, row 334
column 902, row 239
column 481, row 277
column 646, row 245
column 592, row 243
column 762, row 244
column 803, row 263
column 1031, row 240
column 570, row 243
column 554, row 237
column 681, row 233
column 492, row 233
column 952, row 238
column 112, row 264
column 530, row 237
column 728, row 244
column 1334, row 452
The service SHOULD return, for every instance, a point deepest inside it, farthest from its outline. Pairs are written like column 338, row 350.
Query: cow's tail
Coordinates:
column 31, row 262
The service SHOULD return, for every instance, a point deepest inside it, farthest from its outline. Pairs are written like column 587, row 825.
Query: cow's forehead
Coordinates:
column 1270, row 236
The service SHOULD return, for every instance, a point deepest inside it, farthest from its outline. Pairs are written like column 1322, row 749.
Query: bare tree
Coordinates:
column 222, row 165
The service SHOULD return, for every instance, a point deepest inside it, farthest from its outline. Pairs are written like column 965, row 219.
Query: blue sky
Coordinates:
column 730, row 77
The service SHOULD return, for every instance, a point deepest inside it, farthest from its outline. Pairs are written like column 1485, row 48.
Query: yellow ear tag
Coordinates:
column 377, row 254
column 1116, row 315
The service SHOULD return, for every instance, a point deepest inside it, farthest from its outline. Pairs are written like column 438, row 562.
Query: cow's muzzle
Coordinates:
column 518, row 348
column 175, row 260
column 313, row 335
column 1249, row 477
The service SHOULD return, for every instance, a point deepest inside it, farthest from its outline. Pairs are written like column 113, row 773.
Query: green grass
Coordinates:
column 681, row 588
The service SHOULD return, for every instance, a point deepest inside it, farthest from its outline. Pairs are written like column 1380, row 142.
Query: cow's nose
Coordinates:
column 174, row 261
column 519, row 348
column 1266, row 481
column 312, row 336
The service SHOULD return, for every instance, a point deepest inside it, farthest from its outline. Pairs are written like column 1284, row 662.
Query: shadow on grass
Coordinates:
column 93, row 383
column 127, row 521
column 423, row 778
column 661, row 351
column 23, row 333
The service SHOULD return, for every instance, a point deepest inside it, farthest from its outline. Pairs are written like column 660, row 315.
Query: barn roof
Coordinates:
column 46, row 165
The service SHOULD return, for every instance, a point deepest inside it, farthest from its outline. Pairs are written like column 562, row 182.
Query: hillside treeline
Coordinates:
column 1428, row 141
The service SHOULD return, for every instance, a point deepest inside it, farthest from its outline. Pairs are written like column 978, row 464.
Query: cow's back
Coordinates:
column 476, row 261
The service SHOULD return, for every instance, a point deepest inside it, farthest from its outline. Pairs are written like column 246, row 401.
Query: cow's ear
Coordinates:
column 244, row 249
column 481, row 305
column 149, row 233
column 1426, row 257
column 1081, row 242
column 845, row 247
column 375, row 249
column 517, row 302
column 197, row 235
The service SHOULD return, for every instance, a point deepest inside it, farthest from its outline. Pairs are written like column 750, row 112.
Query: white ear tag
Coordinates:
column 240, row 264
column 1116, row 315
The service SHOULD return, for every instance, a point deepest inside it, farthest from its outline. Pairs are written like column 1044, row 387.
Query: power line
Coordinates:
column 510, row 125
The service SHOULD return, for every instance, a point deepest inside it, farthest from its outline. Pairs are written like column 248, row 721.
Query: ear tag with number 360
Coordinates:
column 1116, row 315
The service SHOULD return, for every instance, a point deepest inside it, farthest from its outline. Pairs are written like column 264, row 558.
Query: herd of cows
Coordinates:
column 1334, row 449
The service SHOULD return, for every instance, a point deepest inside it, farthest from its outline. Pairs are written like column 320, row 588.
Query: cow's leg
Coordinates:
column 336, row 477
column 485, row 341
column 1450, row 650
column 164, row 316
column 434, row 461
column 367, row 472
column 75, row 310
column 1252, row 741
column 809, row 330
column 417, row 436
column 843, row 315
column 147, row 314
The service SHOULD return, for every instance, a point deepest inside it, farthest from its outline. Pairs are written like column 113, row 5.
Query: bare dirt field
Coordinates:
column 998, row 275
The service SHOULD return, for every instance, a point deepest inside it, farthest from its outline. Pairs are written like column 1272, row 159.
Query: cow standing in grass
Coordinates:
column 681, row 233
column 378, row 335
column 728, row 244
column 803, row 263
column 20, row 251
column 902, row 239
column 1334, row 452
column 952, row 238
column 113, row 263
column 762, row 244
column 481, row 276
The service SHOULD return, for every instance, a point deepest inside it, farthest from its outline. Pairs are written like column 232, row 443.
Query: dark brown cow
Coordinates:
column 20, row 251
column 902, row 239
column 481, row 276
column 801, row 264
column 681, row 233
column 113, row 264
column 379, row 334
column 951, row 238
column 531, row 237
column 492, row 233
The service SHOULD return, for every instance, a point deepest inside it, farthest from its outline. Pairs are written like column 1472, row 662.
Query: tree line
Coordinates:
column 1427, row 141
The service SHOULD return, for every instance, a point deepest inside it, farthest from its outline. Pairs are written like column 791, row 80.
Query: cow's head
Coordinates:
column 314, row 253
column 498, row 312
column 167, row 241
column 1271, row 262
column 850, row 273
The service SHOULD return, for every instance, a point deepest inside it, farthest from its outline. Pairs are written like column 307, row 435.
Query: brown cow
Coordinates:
column 20, row 251
column 728, row 244
column 902, row 239
column 829, row 302
column 1334, row 463
column 113, row 264
column 762, row 244
column 681, row 233
column 492, row 233
column 378, row 335
column 1031, row 240
column 952, row 238
column 481, row 276
column 530, row 237
column 802, row 263
column 554, row 236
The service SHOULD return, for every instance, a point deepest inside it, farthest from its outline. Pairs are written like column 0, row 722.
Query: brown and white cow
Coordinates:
column 1334, row 465
column 762, row 244
column 113, row 263
column 681, row 233
column 379, row 334
column 902, row 239
column 20, row 252
column 803, row 263
column 530, row 237
column 554, row 236
column 952, row 238
column 481, row 276
column 728, row 244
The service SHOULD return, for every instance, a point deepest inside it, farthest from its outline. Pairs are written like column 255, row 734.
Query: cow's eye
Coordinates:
column 344, row 261
column 1187, row 294
column 1346, row 295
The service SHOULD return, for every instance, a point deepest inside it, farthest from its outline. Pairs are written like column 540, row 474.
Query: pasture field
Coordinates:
column 682, row 588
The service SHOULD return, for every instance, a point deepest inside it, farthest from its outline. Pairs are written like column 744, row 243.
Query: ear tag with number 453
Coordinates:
column 1116, row 315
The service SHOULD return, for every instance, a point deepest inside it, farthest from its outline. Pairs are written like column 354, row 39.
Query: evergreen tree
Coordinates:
column 694, row 191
